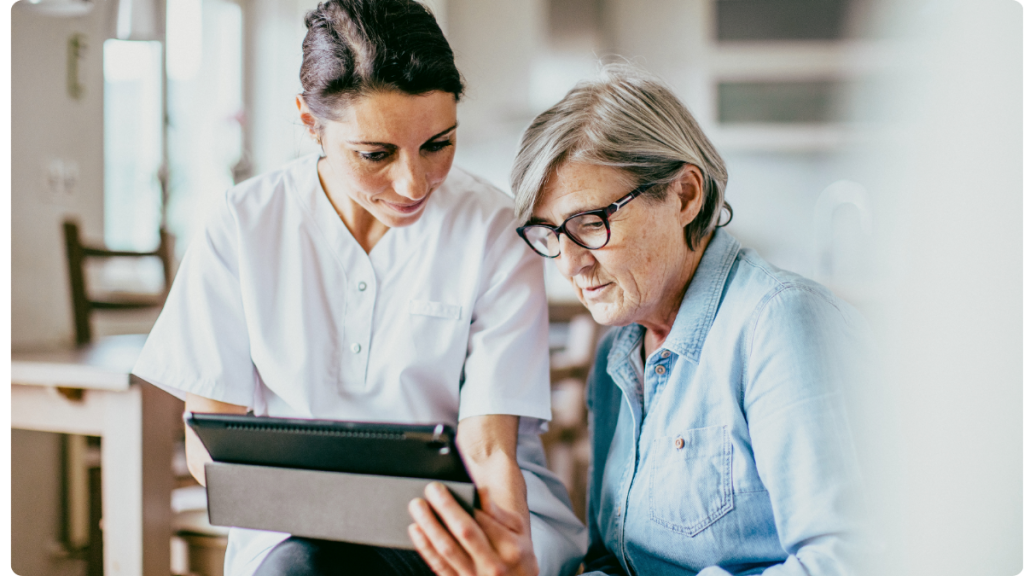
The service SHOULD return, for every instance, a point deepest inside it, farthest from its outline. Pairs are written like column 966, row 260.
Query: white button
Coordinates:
column 665, row 353
column 659, row 369
column 356, row 348
column 362, row 286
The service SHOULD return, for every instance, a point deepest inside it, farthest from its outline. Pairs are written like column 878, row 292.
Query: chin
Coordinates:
column 396, row 221
column 606, row 314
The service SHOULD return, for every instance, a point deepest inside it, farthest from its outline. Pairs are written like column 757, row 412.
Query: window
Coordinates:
column 132, row 144
column 204, row 108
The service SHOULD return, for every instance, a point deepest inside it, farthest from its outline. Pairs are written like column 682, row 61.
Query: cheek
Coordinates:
column 363, row 185
column 439, row 167
column 357, row 177
column 640, row 269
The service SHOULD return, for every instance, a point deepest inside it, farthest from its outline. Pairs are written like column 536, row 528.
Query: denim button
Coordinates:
column 362, row 286
column 356, row 348
column 659, row 369
column 680, row 443
column 665, row 353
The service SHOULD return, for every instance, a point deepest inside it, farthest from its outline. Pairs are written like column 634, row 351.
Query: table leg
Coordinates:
column 121, row 464
column 138, row 444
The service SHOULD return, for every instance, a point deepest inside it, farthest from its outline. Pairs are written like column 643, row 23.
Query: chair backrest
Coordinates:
column 83, row 304
column 581, row 341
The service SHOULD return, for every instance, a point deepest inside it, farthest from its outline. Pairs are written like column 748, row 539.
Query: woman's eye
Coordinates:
column 437, row 146
column 374, row 156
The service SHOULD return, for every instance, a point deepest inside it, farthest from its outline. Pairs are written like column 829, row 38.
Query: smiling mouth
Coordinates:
column 593, row 290
column 406, row 208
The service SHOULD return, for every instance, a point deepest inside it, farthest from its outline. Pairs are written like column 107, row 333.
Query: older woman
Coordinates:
column 721, row 443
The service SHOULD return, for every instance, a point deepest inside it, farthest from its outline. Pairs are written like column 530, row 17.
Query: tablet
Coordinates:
column 406, row 450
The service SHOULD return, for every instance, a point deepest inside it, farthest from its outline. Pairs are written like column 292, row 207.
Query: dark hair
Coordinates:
column 354, row 47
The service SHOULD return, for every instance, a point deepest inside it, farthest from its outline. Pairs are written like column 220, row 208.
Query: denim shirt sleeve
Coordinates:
column 600, row 391
column 802, row 352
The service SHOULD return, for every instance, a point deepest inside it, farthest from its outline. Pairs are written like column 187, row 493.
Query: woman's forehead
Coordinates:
column 393, row 115
column 577, row 187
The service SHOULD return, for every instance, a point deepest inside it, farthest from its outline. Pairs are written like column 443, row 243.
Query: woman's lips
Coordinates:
column 594, row 291
column 406, row 208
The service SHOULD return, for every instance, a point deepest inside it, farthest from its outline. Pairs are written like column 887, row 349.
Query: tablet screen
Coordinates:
column 406, row 450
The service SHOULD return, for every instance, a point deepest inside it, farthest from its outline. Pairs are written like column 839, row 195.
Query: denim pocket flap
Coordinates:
column 691, row 479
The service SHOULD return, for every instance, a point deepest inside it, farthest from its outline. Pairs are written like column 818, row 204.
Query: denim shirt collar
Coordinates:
column 697, row 310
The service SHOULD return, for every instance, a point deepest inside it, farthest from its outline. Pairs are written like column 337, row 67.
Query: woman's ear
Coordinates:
column 306, row 117
column 690, row 188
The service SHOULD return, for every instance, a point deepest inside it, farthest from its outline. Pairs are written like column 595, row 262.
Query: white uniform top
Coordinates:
column 276, row 306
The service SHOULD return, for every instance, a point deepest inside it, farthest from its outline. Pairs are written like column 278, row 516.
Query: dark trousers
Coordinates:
column 308, row 557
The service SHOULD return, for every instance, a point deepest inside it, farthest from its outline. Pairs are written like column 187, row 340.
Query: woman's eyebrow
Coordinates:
column 369, row 143
column 576, row 210
column 443, row 132
column 387, row 145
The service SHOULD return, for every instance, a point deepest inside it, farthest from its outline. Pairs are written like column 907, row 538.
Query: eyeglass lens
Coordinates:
column 587, row 230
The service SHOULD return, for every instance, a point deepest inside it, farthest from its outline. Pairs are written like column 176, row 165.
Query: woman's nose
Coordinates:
column 411, row 179
column 573, row 258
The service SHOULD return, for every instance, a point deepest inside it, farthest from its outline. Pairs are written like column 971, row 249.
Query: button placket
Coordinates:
column 359, row 321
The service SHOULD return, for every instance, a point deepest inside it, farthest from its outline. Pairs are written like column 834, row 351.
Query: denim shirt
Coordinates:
column 731, row 453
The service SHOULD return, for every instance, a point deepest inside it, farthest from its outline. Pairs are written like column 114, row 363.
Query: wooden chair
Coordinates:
column 83, row 305
column 566, row 443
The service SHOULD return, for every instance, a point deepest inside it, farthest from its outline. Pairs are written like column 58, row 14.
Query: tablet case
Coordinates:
column 384, row 449
column 359, row 508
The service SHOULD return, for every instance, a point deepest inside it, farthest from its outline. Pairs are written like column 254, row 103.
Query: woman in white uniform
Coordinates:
column 376, row 283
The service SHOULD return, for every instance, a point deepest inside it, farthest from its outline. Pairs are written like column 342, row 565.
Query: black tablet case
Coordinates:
column 404, row 450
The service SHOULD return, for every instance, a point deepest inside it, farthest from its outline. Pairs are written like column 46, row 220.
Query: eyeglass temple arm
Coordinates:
column 616, row 205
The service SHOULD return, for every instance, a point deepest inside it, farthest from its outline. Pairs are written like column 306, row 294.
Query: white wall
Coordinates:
column 273, row 58
column 951, row 324
column 495, row 44
column 46, row 125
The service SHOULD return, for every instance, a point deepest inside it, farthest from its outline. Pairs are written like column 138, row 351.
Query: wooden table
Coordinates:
column 138, row 424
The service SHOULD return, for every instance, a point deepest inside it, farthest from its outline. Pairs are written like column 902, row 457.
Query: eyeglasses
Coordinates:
column 589, row 229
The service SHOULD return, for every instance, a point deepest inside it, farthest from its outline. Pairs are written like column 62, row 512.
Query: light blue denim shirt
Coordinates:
column 730, row 450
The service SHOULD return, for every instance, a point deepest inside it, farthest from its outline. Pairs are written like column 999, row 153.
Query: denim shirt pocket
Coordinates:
column 691, row 479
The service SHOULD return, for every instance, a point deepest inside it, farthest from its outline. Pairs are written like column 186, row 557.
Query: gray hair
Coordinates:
column 628, row 120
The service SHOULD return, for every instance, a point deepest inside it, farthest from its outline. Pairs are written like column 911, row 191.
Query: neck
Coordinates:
column 363, row 226
column 659, row 323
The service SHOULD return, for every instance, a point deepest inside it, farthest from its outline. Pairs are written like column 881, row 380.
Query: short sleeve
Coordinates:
column 507, row 369
column 200, row 343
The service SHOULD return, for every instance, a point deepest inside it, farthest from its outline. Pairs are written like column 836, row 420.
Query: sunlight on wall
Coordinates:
column 132, row 144
column 205, row 113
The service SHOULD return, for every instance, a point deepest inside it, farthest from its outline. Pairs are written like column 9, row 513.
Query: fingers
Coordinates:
column 460, row 525
column 441, row 544
column 437, row 564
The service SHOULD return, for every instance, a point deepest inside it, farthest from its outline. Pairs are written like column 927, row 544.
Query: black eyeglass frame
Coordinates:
column 602, row 213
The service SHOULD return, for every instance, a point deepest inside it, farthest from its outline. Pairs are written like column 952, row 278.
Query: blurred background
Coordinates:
column 872, row 146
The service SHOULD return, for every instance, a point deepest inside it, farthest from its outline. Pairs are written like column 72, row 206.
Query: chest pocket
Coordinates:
column 435, row 309
column 691, row 479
